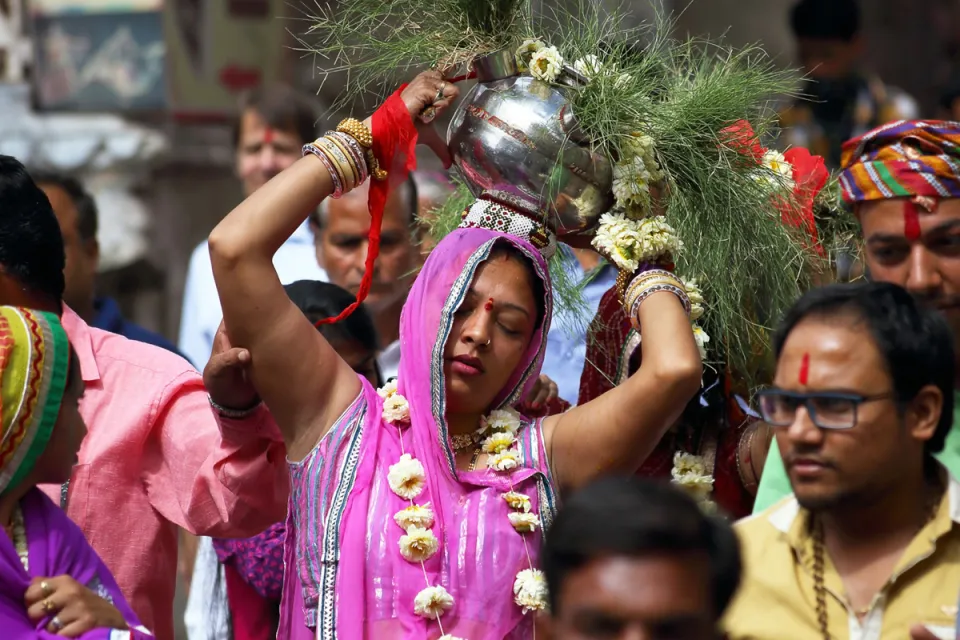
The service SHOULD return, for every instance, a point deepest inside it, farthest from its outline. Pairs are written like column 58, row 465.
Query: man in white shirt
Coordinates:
column 340, row 228
column 274, row 123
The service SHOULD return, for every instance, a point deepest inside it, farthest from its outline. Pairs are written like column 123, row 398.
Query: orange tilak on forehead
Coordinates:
column 804, row 374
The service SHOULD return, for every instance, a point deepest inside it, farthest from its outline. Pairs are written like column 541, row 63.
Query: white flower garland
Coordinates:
column 498, row 435
column 628, row 243
column 690, row 473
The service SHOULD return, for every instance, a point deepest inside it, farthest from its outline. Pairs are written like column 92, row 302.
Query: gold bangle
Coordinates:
column 645, row 281
column 332, row 152
column 354, row 170
column 357, row 130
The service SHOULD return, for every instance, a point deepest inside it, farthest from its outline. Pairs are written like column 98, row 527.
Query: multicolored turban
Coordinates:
column 34, row 363
column 901, row 160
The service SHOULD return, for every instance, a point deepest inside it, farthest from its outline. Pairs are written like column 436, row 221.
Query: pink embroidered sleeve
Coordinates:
column 212, row 475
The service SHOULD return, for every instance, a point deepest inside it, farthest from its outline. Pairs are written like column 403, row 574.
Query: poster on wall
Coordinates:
column 99, row 55
column 217, row 49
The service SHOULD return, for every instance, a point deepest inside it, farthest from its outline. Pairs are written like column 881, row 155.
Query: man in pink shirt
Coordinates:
column 157, row 455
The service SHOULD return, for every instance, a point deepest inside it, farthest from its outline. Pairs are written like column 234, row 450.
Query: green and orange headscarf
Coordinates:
column 34, row 365
column 904, row 159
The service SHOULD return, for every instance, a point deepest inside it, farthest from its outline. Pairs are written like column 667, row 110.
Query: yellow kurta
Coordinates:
column 776, row 599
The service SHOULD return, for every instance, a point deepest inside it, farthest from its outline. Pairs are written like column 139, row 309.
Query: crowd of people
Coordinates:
column 504, row 476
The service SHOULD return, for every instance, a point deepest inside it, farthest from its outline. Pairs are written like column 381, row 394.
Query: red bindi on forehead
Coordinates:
column 804, row 374
column 268, row 135
column 489, row 304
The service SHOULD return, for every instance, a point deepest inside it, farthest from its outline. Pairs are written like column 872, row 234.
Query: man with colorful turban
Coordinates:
column 52, row 583
column 903, row 182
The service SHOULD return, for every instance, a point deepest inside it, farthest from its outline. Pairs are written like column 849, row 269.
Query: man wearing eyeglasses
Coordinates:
column 868, row 545
column 903, row 182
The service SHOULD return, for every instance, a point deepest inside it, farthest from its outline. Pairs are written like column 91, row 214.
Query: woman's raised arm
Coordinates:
column 297, row 373
column 617, row 431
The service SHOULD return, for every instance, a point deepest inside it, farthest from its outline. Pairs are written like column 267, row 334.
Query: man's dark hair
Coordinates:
column 31, row 247
column 282, row 108
column 318, row 300
column 87, row 217
column 914, row 340
column 635, row 517
column 826, row 19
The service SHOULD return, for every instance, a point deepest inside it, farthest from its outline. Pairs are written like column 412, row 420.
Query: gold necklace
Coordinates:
column 819, row 587
column 461, row 442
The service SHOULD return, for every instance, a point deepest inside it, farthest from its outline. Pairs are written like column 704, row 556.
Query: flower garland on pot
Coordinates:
column 497, row 437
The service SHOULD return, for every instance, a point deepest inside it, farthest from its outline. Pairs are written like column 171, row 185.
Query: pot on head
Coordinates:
column 514, row 140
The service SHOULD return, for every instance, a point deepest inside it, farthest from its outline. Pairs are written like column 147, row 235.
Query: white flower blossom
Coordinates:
column 525, row 51
column 518, row 501
column 396, row 409
column 414, row 516
column 631, row 182
column 530, row 590
column 692, row 287
column 503, row 420
column 499, row 441
column 588, row 66
column 690, row 473
column 622, row 80
column 702, row 339
column 524, row 522
column 776, row 170
column 387, row 390
column 407, row 477
column 616, row 238
column 505, row 460
column 418, row 544
column 684, row 463
column 432, row 602
column 546, row 64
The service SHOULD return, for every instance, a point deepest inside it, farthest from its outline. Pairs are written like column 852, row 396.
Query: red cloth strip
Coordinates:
column 394, row 145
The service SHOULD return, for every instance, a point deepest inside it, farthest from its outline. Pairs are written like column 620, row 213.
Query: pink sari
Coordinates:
column 355, row 584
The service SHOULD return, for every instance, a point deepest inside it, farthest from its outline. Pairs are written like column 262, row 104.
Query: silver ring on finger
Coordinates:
column 55, row 624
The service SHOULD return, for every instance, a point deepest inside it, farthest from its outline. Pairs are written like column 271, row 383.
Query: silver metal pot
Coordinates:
column 514, row 140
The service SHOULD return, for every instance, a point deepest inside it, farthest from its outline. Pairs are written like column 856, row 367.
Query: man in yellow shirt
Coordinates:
column 868, row 545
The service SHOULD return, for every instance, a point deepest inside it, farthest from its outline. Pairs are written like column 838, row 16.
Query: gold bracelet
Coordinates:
column 359, row 132
column 351, row 164
column 643, row 279
column 339, row 161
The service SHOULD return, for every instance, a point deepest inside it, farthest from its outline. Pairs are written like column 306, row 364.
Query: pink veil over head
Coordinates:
column 478, row 546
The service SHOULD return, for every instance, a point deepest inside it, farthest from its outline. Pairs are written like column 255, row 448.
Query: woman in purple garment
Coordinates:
column 417, row 508
column 52, row 584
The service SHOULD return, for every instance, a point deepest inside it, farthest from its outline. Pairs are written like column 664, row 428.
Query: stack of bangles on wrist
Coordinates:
column 647, row 282
column 347, row 155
